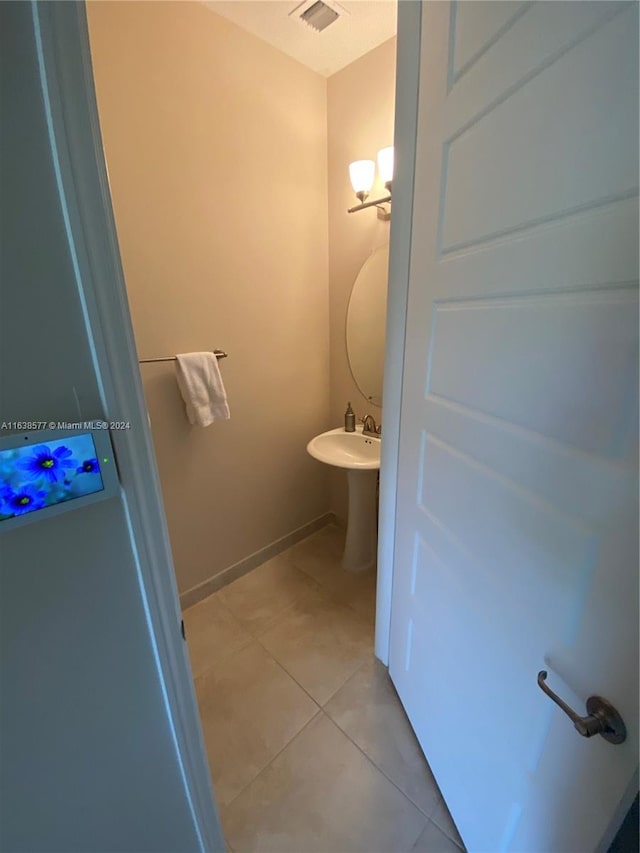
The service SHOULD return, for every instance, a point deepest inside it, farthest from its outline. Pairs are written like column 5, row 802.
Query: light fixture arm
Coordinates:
column 374, row 203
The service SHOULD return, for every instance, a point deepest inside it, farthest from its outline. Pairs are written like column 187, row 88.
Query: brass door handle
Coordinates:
column 602, row 718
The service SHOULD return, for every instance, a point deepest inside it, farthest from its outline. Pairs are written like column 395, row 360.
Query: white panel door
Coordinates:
column 517, row 516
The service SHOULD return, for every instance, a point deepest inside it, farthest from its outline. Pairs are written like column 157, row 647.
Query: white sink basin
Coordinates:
column 346, row 449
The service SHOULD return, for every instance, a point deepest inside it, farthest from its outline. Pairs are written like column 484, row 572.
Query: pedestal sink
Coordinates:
column 360, row 455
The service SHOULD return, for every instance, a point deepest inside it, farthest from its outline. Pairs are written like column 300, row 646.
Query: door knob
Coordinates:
column 602, row 718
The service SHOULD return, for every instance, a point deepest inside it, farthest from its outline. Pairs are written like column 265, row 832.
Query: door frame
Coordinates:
column 68, row 87
column 405, row 144
column 66, row 75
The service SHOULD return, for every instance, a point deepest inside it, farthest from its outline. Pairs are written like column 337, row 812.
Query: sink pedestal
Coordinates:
column 360, row 455
column 362, row 536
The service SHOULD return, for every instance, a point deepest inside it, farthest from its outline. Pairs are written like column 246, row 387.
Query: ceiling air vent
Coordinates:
column 319, row 16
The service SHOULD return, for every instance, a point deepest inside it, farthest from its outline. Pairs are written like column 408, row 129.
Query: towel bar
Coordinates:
column 217, row 352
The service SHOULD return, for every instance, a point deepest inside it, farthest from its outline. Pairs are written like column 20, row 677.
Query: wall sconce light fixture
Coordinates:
column 362, row 174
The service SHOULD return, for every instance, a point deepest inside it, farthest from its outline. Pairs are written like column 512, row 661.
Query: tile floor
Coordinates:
column 309, row 747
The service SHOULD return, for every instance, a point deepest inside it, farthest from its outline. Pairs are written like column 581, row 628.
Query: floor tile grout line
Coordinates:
column 322, row 709
column 317, row 585
column 220, row 661
column 442, row 832
column 359, row 666
column 318, row 588
column 276, row 619
column 291, row 676
column 319, row 708
column 334, row 595
column 295, row 735
column 321, row 590
column 271, row 760
column 224, row 606
column 384, row 773
column 368, row 759
column 429, row 815
column 340, row 686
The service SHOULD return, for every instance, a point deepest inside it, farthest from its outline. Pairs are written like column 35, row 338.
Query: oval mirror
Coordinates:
column 366, row 319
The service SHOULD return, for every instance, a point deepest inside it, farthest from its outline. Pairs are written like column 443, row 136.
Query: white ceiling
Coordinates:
column 362, row 25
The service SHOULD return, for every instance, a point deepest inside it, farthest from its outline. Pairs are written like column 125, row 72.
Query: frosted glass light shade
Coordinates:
column 385, row 164
column 362, row 173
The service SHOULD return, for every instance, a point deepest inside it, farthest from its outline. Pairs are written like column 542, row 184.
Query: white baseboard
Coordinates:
column 232, row 573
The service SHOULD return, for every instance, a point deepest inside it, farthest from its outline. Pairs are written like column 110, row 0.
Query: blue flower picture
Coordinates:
column 43, row 475
column 89, row 466
column 23, row 499
column 44, row 462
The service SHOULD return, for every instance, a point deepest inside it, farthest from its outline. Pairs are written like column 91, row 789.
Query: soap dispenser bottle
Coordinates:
column 349, row 419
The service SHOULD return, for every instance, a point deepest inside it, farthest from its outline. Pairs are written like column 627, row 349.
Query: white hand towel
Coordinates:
column 202, row 388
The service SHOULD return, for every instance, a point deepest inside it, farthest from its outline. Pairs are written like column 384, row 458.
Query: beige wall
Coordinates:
column 217, row 154
column 360, row 113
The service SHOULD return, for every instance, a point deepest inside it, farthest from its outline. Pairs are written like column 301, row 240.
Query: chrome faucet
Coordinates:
column 369, row 427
